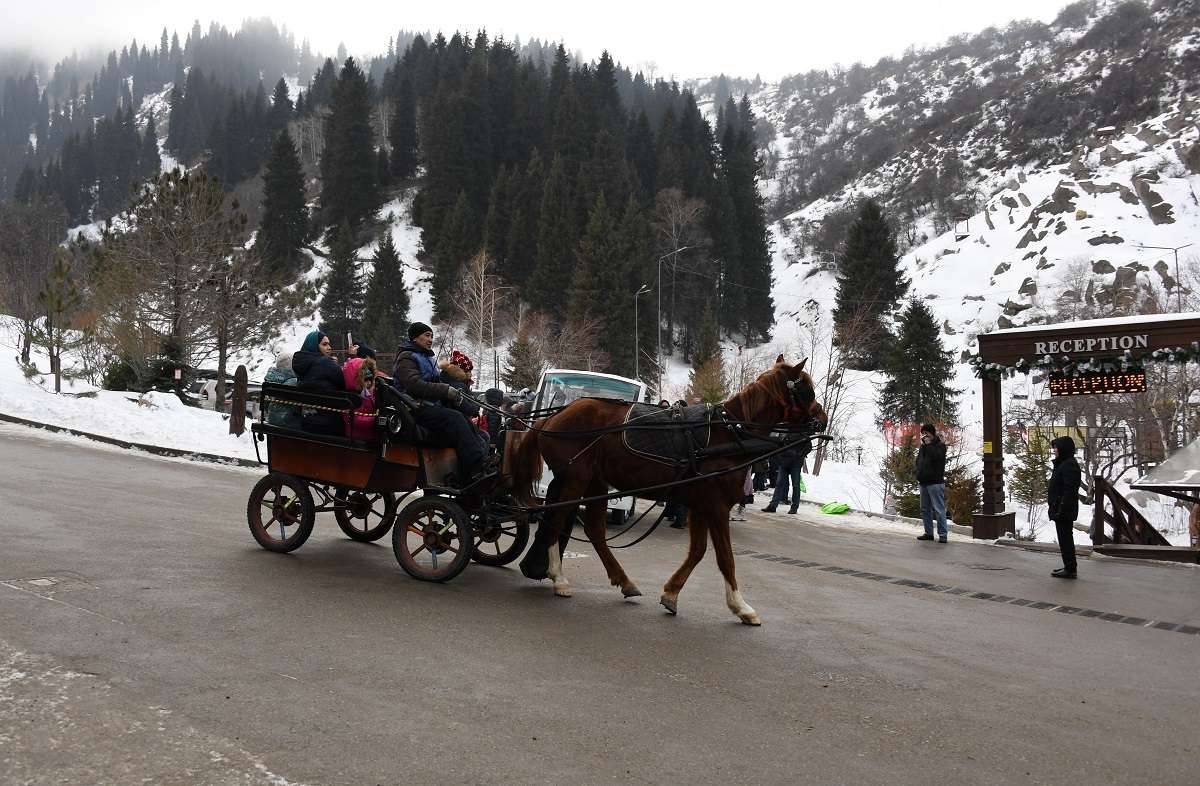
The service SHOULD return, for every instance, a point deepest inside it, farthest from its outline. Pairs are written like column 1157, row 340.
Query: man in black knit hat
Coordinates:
column 417, row 374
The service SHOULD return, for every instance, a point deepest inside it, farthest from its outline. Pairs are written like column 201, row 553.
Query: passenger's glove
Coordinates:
column 454, row 396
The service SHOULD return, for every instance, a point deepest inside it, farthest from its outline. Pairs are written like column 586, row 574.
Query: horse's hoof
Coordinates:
column 750, row 619
column 631, row 591
column 562, row 592
column 670, row 604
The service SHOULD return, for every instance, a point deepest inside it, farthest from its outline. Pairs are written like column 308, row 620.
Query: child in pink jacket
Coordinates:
column 359, row 374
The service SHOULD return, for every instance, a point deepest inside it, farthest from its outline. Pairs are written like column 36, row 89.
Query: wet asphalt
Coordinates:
column 144, row 637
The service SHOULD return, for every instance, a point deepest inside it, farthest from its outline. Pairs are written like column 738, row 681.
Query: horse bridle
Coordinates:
column 799, row 395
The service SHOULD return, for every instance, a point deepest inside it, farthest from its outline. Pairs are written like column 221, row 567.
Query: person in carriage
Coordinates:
column 316, row 370
column 416, row 373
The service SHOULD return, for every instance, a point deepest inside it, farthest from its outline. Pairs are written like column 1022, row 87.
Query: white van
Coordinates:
column 561, row 386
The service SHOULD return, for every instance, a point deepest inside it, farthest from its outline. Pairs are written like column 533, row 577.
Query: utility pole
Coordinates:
column 637, row 355
column 658, row 356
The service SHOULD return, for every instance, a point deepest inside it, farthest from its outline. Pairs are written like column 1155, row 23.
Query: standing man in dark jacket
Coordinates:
column 791, row 462
column 931, row 477
column 417, row 374
column 1062, row 502
column 317, row 371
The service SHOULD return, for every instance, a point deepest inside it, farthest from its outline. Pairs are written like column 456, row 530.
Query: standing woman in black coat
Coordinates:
column 1062, row 502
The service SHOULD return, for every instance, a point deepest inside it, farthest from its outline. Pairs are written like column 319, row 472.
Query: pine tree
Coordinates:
column 284, row 223
column 708, row 343
column 553, row 264
column 350, row 188
column 919, row 373
column 457, row 245
column 870, row 287
column 521, row 242
column 341, row 303
column 1029, row 483
column 149, row 160
column 598, row 250
column 385, row 315
column 402, row 132
column 524, row 364
column 281, row 107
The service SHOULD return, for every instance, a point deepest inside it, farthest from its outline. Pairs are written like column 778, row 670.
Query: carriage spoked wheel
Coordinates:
column 432, row 539
column 280, row 512
column 497, row 542
column 365, row 516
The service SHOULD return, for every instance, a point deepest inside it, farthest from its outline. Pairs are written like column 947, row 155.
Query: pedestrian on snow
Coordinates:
column 359, row 376
column 416, row 373
column 456, row 372
column 791, row 463
column 931, row 477
column 1062, row 503
column 316, row 370
column 281, row 374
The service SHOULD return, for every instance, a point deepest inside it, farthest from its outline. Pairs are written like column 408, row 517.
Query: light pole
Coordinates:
column 1178, row 284
column 637, row 354
column 658, row 357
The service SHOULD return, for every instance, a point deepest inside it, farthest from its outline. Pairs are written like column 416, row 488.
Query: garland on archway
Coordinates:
column 1065, row 366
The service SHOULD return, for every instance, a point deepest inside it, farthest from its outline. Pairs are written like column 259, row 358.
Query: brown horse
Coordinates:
column 586, row 465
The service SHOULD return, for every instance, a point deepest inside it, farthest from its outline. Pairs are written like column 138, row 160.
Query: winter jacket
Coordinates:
column 1062, row 496
column 320, row 374
column 360, row 424
column 931, row 463
column 416, row 374
column 455, row 377
column 282, row 414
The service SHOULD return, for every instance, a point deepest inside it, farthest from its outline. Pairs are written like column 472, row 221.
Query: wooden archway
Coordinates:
column 1086, row 357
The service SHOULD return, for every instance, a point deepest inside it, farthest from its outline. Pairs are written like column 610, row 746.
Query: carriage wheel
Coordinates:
column 280, row 512
column 364, row 516
column 498, row 542
column 432, row 539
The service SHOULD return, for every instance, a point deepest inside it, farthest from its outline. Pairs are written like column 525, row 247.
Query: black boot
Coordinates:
column 1064, row 573
column 769, row 508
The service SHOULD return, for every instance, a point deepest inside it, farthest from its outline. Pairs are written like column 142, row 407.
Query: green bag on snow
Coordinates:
column 835, row 507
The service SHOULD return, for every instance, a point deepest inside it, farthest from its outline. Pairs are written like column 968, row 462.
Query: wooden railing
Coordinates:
column 1129, row 526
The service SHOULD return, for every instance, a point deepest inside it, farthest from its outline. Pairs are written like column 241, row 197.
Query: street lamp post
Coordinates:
column 658, row 356
column 637, row 353
column 1178, row 284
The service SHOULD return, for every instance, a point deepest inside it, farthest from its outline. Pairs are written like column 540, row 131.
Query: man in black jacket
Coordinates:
column 417, row 374
column 931, row 477
column 1062, row 502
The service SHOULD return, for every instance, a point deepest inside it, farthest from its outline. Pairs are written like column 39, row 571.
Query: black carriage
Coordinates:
column 397, row 482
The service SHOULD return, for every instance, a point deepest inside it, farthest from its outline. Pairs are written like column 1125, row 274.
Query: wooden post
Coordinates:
column 237, row 414
column 993, row 522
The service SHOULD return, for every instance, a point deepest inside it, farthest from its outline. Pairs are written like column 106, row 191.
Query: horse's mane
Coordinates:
column 756, row 397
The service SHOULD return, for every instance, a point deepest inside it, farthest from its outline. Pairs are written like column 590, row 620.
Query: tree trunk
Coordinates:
column 222, row 362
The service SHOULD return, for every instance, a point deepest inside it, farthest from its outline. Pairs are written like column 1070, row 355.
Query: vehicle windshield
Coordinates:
column 558, row 390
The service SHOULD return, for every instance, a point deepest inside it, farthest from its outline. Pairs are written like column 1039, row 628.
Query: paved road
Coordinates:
column 171, row 649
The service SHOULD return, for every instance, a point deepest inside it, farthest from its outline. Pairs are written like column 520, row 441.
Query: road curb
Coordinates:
column 157, row 450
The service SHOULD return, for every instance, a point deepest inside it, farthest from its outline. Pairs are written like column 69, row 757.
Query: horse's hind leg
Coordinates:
column 697, row 544
column 594, row 527
column 724, row 551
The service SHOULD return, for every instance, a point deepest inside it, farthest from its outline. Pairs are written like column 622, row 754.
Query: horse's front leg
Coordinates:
column 697, row 543
column 723, row 547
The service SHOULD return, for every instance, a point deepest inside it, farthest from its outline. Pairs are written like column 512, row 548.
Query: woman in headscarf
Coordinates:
column 317, row 371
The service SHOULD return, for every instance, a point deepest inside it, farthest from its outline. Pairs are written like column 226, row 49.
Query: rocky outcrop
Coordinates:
column 1028, row 288
column 1159, row 210
column 1105, row 239
column 1102, row 267
column 1001, row 269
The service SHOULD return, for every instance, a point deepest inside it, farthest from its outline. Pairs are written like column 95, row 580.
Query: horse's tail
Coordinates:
column 524, row 464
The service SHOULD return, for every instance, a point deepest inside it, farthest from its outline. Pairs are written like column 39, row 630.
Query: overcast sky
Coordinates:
column 682, row 39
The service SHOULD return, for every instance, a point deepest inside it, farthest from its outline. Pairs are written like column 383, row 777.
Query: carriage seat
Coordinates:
column 395, row 410
column 298, row 400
